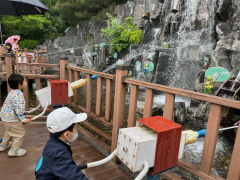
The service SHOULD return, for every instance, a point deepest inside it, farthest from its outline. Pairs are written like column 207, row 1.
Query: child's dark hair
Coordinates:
column 15, row 80
column 10, row 46
column 58, row 134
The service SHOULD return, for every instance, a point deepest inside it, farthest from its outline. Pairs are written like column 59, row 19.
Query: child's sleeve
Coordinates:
column 18, row 103
column 65, row 168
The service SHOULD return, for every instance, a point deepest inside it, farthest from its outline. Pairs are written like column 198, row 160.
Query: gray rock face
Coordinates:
column 236, row 16
column 192, row 28
column 223, row 29
column 138, row 14
column 224, row 9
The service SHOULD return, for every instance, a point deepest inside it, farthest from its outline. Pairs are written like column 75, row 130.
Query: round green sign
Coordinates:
column 223, row 74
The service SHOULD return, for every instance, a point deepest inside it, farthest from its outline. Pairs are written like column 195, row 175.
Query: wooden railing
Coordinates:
column 118, row 95
column 10, row 66
column 121, row 82
column 71, row 73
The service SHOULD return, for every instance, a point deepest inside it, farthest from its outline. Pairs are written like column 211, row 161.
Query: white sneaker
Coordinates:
column 17, row 152
column 4, row 147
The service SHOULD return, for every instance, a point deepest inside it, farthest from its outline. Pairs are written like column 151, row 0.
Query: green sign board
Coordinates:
column 223, row 74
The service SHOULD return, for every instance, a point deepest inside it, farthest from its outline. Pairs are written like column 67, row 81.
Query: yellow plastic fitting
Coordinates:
column 191, row 137
column 77, row 84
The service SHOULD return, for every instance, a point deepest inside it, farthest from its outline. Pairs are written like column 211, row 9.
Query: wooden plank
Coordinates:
column 89, row 93
column 119, row 104
column 76, row 91
column 132, row 106
column 63, row 73
column 192, row 168
column 99, row 74
column 169, row 106
column 70, row 79
column 234, row 168
column 148, row 103
column 210, row 141
column 26, row 94
column 187, row 93
column 96, row 130
column 38, row 86
column 170, row 176
column 99, row 96
column 40, row 76
column 38, row 65
column 108, row 99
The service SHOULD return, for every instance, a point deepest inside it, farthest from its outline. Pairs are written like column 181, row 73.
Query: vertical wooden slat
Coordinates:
column 38, row 86
column 8, row 59
column 16, row 60
column 99, row 96
column 26, row 93
column 63, row 73
column 76, row 91
column 210, row 141
column 108, row 99
column 89, row 93
column 132, row 106
column 169, row 106
column 119, row 103
column 234, row 168
column 70, row 79
column 1, row 66
column 148, row 103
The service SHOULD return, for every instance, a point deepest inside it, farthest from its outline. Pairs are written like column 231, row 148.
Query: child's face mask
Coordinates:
column 75, row 136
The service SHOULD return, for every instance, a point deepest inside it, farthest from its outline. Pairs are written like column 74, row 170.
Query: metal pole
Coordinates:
column 1, row 33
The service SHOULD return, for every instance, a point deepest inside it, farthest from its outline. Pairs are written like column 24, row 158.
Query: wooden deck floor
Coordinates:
column 22, row 168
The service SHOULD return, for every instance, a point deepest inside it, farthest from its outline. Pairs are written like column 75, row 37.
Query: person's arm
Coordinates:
column 65, row 168
column 18, row 103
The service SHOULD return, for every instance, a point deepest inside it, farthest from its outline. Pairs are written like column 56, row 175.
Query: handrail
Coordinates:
column 40, row 76
column 38, row 64
column 101, row 74
column 186, row 93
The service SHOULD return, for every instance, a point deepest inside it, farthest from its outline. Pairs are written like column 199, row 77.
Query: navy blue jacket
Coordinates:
column 57, row 163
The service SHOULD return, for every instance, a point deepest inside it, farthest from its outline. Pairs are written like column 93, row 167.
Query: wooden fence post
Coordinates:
column 119, row 103
column 63, row 73
column 8, row 59
column 26, row 94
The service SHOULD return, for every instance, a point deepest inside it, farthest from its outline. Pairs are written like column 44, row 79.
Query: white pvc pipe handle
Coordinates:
column 232, row 127
column 143, row 172
column 103, row 161
column 34, row 109
column 44, row 110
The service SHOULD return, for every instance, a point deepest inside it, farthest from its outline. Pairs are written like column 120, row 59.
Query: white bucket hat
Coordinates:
column 62, row 118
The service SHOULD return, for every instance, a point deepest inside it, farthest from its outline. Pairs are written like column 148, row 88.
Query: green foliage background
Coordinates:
column 121, row 34
column 34, row 29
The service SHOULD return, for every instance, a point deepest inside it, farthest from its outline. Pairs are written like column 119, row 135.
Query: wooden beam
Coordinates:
column 89, row 93
column 210, row 141
column 119, row 103
column 148, row 103
column 108, row 99
column 76, row 91
column 234, row 168
column 192, row 168
column 132, row 106
column 186, row 93
column 26, row 93
column 169, row 106
column 99, row 74
column 99, row 97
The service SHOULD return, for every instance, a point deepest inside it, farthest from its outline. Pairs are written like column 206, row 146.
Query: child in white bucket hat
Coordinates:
column 56, row 161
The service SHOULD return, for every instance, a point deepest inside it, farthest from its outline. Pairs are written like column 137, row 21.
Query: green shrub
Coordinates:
column 28, row 43
column 121, row 34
